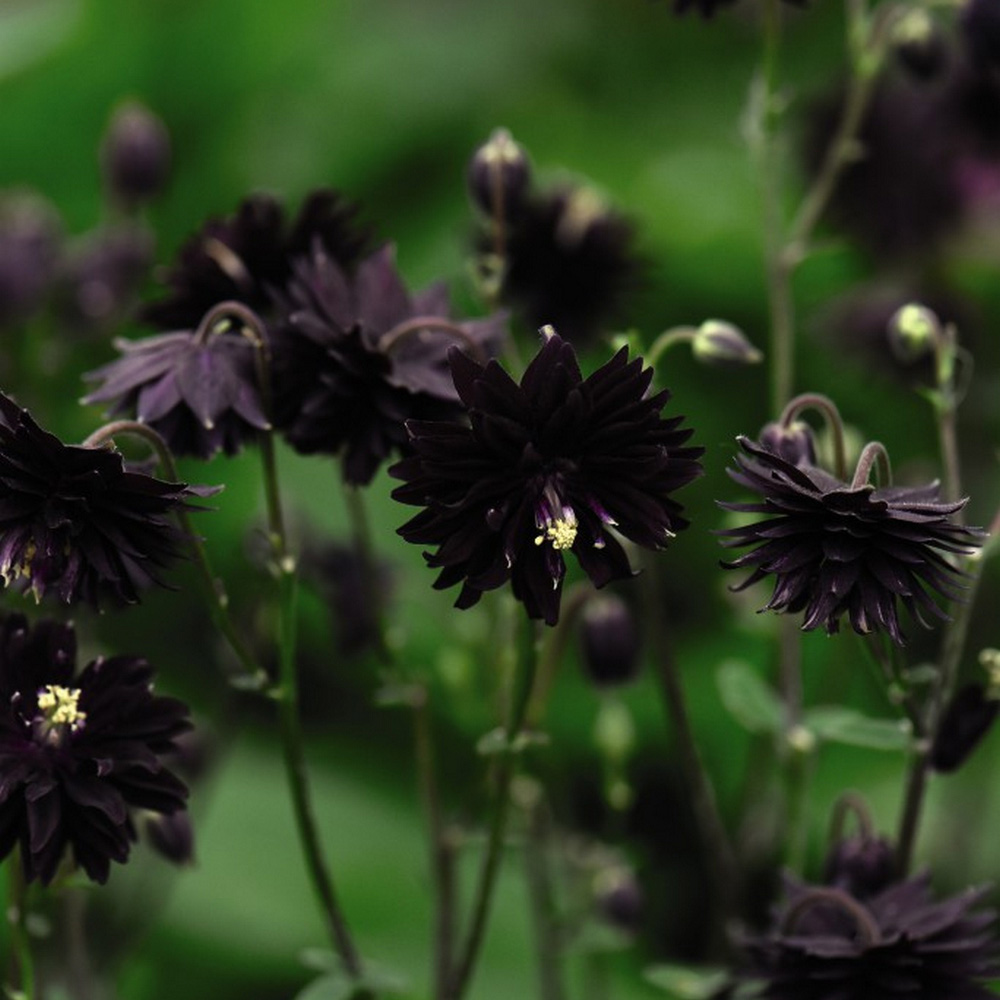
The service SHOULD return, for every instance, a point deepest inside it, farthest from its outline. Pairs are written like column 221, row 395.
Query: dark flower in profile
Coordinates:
column 862, row 865
column 75, row 523
column 197, row 388
column 78, row 752
column 967, row 719
column 359, row 356
column 570, row 262
column 610, row 641
column 835, row 549
column 900, row 199
column 249, row 256
column 545, row 468
column 899, row 943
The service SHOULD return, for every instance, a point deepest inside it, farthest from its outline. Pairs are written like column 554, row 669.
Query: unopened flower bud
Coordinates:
column 967, row 719
column 919, row 44
column 619, row 898
column 30, row 236
column 717, row 342
column 862, row 866
column 794, row 443
column 913, row 331
column 499, row 176
column 171, row 836
column 610, row 641
column 135, row 154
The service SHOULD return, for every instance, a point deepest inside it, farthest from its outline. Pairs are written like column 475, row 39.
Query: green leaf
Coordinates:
column 29, row 31
column 844, row 725
column 334, row 986
column 686, row 982
column 751, row 702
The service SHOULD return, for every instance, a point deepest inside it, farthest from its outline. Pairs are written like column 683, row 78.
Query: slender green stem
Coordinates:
column 718, row 849
column 361, row 534
column 669, row 338
column 23, row 980
column 212, row 586
column 548, row 932
column 494, row 847
column 442, row 854
column 920, row 768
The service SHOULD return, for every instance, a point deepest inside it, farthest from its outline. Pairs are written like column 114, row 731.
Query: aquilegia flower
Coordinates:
column 78, row 752
column 545, row 468
column 836, row 549
column 249, row 256
column 358, row 357
column 75, row 523
column 899, row 943
column 197, row 389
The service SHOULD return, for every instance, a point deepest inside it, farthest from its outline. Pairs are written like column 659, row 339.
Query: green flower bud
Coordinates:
column 913, row 331
column 717, row 342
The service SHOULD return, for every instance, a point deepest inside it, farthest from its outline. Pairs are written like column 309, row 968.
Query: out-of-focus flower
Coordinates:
column 75, row 523
column 499, row 176
column 966, row 721
column 570, row 263
column 793, row 442
column 913, row 331
column 609, row 641
column 135, row 154
column 835, row 549
column 197, row 389
column 99, row 280
column 863, row 865
column 919, row 44
column 249, row 256
column 546, row 467
column 79, row 752
column 900, row 943
column 717, row 342
column 359, row 356
column 30, row 236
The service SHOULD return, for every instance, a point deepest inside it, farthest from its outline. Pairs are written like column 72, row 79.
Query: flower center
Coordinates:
column 59, row 707
column 561, row 531
column 12, row 572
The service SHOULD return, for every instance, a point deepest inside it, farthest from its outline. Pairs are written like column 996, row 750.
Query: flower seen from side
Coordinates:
column 359, row 356
column 74, row 522
column 554, row 465
column 836, row 550
column 828, row 944
column 80, row 753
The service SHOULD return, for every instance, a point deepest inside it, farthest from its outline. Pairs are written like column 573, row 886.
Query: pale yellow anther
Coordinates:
column 60, row 706
column 561, row 532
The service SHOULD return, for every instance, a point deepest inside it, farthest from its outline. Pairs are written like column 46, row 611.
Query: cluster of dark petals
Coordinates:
column 543, row 468
column 836, row 549
column 899, row 943
column 248, row 256
column 79, row 753
column 358, row 356
column 569, row 262
column 199, row 392
column 75, row 522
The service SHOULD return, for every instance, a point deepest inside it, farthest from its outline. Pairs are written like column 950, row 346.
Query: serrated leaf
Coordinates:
column 686, row 982
column 748, row 699
column 844, row 725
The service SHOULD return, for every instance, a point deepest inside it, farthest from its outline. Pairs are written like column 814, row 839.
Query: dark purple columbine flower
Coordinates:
column 75, row 523
column 900, row 943
column 248, row 256
column 546, row 467
column 135, row 154
column 835, row 549
column 30, row 245
column 78, row 752
column 360, row 356
column 570, row 262
column 198, row 389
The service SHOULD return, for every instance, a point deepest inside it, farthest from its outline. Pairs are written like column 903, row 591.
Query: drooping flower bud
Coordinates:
column 619, row 897
column 171, row 836
column 862, row 865
column 919, row 44
column 610, row 642
column 966, row 721
column 717, row 342
column 913, row 331
column 135, row 154
column 30, row 237
column 499, row 175
column 794, row 443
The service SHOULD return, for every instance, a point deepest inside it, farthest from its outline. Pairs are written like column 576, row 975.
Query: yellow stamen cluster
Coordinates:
column 11, row 572
column 561, row 533
column 60, row 706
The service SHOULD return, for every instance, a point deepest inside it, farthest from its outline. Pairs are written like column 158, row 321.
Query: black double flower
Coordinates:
column 79, row 752
column 75, row 522
column 554, row 465
column 836, row 549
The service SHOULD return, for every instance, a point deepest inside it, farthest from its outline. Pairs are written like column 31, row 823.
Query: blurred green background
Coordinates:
column 386, row 99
